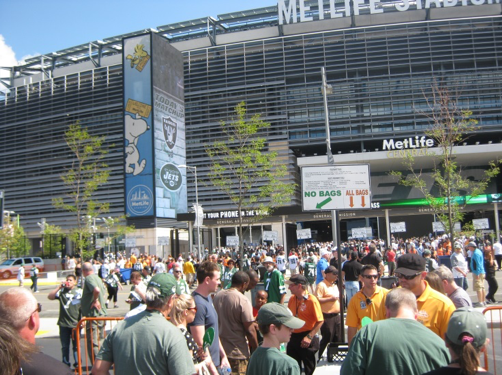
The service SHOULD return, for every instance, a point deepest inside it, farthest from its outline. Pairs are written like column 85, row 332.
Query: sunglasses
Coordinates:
column 401, row 276
column 368, row 301
column 370, row 276
column 39, row 309
column 177, row 271
column 193, row 308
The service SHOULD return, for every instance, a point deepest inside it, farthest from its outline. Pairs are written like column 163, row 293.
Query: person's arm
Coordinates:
column 101, row 367
column 321, row 295
column 283, row 296
column 351, row 332
column 381, row 269
column 52, row 295
column 224, row 360
column 250, row 331
column 306, row 341
column 198, row 334
column 95, row 295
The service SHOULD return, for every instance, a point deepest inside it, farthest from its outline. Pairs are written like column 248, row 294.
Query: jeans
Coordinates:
column 65, row 336
column 351, row 288
column 34, row 285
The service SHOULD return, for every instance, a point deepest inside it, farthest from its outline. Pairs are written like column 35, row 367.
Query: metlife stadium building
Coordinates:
column 177, row 82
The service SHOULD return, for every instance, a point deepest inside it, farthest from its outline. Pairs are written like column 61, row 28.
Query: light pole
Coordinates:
column 10, row 227
column 108, row 223
column 197, row 212
column 42, row 232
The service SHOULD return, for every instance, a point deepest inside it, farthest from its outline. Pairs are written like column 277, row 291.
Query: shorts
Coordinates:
column 479, row 282
column 238, row 366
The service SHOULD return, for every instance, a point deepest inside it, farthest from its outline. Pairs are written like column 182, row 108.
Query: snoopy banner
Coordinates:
column 154, row 128
column 138, row 133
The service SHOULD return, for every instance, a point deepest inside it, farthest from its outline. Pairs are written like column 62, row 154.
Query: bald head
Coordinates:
column 17, row 306
column 87, row 268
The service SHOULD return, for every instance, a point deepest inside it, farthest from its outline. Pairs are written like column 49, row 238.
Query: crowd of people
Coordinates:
column 191, row 316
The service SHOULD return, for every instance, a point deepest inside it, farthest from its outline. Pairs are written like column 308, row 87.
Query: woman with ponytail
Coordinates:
column 466, row 339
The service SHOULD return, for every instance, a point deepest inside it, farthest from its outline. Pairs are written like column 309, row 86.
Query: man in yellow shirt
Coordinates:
column 133, row 259
column 366, row 302
column 434, row 308
column 329, row 297
column 189, row 271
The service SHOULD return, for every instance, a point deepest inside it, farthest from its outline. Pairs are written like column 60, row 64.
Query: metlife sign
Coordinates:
column 338, row 187
column 293, row 11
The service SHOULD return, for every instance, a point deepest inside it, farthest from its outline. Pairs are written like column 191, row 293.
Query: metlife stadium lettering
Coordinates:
column 417, row 142
column 293, row 11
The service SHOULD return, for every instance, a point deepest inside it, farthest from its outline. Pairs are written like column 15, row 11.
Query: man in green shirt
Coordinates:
column 69, row 296
column 274, row 282
column 396, row 345
column 276, row 323
column 147, row 343
column 229, row 272
column 309, row 270
column 93, row 305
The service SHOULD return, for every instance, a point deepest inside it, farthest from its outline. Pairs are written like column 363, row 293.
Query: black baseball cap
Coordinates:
column 410, row 264
column 297, row 279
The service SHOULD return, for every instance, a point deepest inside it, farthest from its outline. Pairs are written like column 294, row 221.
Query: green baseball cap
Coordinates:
column 165, row 283
column 465, row 323
column 275, row 313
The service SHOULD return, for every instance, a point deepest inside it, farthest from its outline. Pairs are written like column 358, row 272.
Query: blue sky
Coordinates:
column 34, row 27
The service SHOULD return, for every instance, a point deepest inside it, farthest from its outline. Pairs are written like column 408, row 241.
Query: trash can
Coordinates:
column 444, row 260
column 126, row 275
column 388, row 281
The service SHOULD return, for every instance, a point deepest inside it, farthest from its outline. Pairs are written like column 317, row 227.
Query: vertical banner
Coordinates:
column 169, row 126
column 138, row 132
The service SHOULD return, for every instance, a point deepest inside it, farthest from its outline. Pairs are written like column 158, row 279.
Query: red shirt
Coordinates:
column 391, row 256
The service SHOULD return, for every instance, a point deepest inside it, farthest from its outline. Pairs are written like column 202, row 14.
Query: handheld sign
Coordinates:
column 366, row 320
column 208, row 338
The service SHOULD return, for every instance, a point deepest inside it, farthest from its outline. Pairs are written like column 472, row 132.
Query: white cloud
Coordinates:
column 7, row 58
column 7, row 55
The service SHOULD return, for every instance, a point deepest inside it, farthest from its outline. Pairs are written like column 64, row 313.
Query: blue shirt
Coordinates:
column 321, row 266
column 206, row 316
column 477, row 262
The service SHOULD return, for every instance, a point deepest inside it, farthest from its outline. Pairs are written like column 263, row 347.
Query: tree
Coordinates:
column 243, row 168
column 87, row 173
column 450, row 125
column 13, row 240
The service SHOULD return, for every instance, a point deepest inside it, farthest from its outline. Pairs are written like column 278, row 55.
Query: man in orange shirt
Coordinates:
column 329, row 297
column 304, row 342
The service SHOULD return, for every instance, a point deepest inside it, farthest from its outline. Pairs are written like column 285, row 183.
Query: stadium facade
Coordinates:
column 381, row 59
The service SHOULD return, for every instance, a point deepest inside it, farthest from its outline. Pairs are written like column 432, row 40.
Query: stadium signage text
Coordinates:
column 417, row 142
column 291, row 10
column 413, row 147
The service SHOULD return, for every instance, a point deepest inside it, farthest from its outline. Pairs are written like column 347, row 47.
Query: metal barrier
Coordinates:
column 89, row 325
column 492, row 354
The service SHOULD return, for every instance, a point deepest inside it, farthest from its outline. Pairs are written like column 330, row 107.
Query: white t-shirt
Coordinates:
column 159, row 268
column 460, row 263
column 293, row 262
column 281, row 262
column 497, row 248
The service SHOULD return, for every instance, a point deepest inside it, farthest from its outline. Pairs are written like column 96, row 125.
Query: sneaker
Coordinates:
column 116, row 306
column 488, row 302
column 106, row 304
column 478, row 304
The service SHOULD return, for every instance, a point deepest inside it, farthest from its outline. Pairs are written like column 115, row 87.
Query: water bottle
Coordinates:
column 225, row 370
